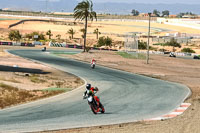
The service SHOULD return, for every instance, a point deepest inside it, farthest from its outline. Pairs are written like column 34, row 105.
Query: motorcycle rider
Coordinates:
column 44, row 49
column 90, row 89
column 93, row 61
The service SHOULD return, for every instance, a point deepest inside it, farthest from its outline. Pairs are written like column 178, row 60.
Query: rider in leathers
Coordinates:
column 91, row 89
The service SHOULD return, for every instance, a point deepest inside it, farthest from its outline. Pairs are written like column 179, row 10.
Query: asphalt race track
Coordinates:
column 126, row 97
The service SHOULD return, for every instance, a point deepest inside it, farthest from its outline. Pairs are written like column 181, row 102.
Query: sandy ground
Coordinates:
column 107, row 28
column 172, row 69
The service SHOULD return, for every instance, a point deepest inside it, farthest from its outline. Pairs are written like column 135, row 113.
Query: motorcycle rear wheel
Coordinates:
column 102, row 107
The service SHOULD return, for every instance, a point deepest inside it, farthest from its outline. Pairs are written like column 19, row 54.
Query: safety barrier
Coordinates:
column 17, row 44
column 51, row 44
column 6, row 43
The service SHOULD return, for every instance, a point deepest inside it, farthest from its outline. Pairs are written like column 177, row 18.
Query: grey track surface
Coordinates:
column 126, row 97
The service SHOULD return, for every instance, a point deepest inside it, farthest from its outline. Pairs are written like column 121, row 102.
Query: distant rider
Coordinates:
column 93, row 61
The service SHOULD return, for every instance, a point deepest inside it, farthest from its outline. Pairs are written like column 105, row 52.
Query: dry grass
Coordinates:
column 10, row 95
column 35, row 78
column 13, row 80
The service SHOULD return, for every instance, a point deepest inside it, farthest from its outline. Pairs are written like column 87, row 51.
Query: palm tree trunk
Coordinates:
column 85, row 34
column 97, row 33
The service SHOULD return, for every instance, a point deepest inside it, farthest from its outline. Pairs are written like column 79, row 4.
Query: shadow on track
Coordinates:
column 20, row 69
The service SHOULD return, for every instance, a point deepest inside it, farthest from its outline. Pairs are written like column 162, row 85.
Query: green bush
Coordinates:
column 14, row 35
column 87, row 49
column 172, row 43
column 104, row 41
column 142, row 45
column 161, row 44
column 152, row 48
column 187, row 50
column 162, row 50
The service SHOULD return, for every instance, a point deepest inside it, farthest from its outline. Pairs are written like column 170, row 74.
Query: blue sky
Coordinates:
column 151, row 1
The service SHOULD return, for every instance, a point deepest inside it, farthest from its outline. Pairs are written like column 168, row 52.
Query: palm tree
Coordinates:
column 84, row 11
column 58, row 37
column 96, row 31
column 71, row 32
column 83, row 31
column 49, row 34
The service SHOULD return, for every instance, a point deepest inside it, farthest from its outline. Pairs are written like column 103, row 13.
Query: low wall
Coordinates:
column 64, row 45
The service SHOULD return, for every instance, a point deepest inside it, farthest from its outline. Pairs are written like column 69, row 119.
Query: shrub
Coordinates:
column 162, row 50
column 152, row 48
column 142, row 45
column 14, row 35
column 161, row 44
column 173, row 42
column 104, row 41
column 187, row 50
column 87, row 49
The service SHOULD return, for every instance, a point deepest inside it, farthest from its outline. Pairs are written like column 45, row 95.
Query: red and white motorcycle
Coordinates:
column 94, row 103
column 93, row 65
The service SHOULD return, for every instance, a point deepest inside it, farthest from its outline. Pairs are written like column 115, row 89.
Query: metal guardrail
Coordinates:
column 17, row 44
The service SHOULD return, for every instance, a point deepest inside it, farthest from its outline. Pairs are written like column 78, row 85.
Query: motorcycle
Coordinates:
column 172, row 55
column 93, row 65
column 44, row 49
column 94, row 104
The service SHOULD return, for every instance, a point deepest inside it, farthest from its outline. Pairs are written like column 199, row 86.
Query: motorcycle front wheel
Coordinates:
column 102, row 108
column 93, row 109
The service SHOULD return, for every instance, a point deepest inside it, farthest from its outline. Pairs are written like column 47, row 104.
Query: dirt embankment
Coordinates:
column 172, row 69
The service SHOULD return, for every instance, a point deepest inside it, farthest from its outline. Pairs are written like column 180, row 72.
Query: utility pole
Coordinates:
column 147, row 58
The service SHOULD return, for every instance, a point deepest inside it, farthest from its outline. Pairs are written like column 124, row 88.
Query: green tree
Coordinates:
column 104, row 41
column 135, row 12
column 142, row 45
column 96, row 31
column 71, row 32
column 165, row 13
column 173, row 42
column 83, row 31
column 108, row 41
column 156, row 12
column 58, row 37
column 14, row 35
column 28, row 36
column 48, row 33
column 84, row 11
column 187, row 50
column 180, row 15
column 36, row 36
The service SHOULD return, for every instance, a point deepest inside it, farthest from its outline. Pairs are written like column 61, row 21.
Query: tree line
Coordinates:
column 164, row 13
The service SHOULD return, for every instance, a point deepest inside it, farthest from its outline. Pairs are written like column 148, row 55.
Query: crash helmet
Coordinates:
column 88, row 86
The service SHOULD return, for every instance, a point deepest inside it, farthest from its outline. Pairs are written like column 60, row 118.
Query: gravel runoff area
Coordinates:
column 178, row 70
